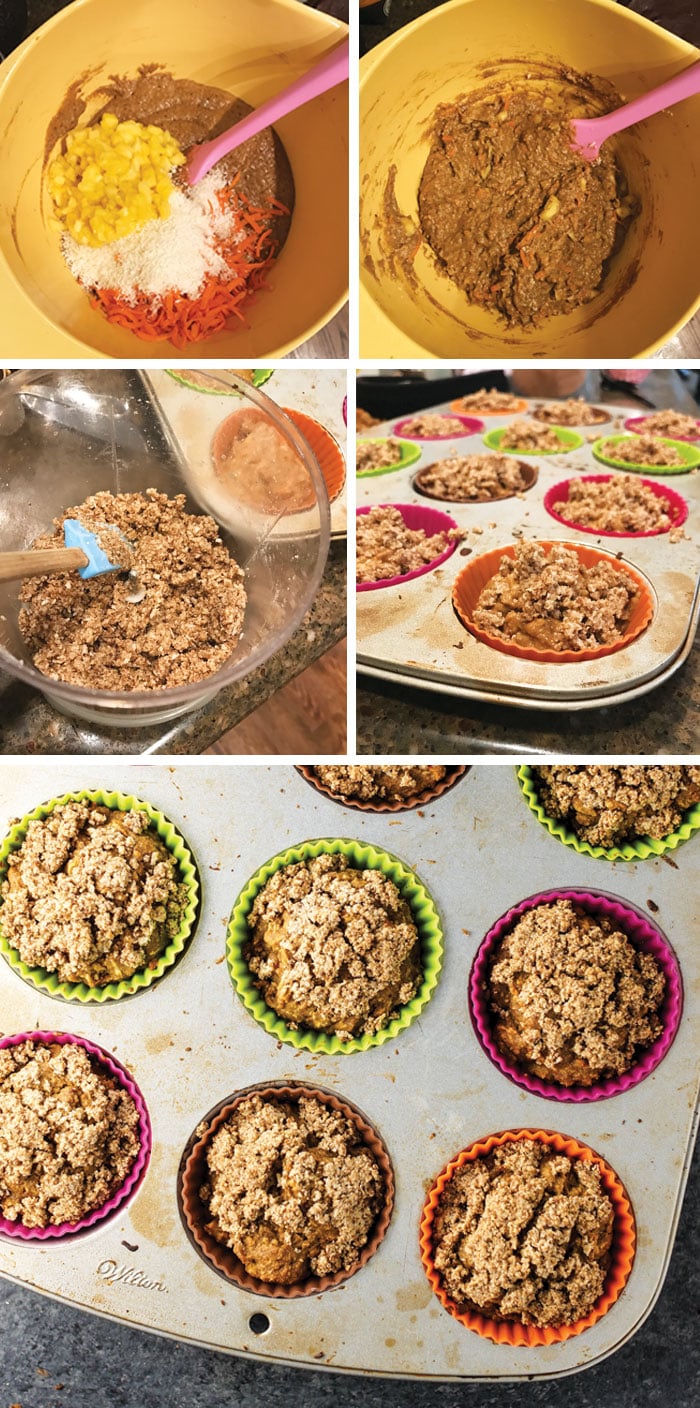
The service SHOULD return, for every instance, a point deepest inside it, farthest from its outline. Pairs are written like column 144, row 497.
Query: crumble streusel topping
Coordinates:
column 387, row 548
column 606, row 805
column 332, row 947
column 500, row 403
column 463, row 478
column 676, row 425
column 293, row 1189
column 368, row 783
column 572, row 999
column 68, row 1134
column 429, row 425
column 92, row 894
column 621, row 505
column 524, row 1233
column 574, row 411
column 550, row 601
column 642, row 449
column 527, row 435
column 377, row 454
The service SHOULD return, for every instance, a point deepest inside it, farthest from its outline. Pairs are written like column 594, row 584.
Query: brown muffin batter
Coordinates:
column 369, row 784
column 516, row 219
column 575, row 411
column 332, row 947
column 92, row 894
column 572, row 999
column 68, row 1134
column 524, row 1233
column 474, row 478
column 607, row 805
column 292, row 1189
column 258, row 465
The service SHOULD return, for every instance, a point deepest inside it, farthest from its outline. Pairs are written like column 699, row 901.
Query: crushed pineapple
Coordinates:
column 112, row 178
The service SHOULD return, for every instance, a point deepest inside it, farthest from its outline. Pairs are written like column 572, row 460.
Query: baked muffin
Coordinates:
column 605, row 805
column 572, row 1000
column 333, row 948
column 367, row 783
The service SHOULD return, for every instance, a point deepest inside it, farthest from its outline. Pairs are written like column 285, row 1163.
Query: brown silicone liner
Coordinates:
column 529, row 471
column 326, row 449
column 622, row 1249
column 473, row 578
column 420, row 799
column 193, row 1174
column 459, row 406
column 580, row 425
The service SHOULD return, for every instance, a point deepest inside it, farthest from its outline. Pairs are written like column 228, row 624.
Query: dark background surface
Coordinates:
column 680, row 16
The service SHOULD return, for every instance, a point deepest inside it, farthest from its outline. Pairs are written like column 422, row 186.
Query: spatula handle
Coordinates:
column 34, row 563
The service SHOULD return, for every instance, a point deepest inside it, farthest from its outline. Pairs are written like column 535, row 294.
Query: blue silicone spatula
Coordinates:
column 82, row 552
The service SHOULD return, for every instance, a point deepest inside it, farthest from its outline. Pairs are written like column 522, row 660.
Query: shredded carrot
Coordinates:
column 249, row 250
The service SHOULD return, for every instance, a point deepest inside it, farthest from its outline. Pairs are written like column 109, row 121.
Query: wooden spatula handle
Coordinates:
column 34, row 563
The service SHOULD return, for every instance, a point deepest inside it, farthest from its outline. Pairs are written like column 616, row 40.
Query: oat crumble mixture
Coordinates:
column 387, row 548
column 474, row 478
column 624, row 504
column 524, row 1233
column 547, row 600
column 526, row 435
column 674, row 424
column 68, row 1134
column 91, row 894
column 376, row 454
column 606, row 805
column 572, row 999
column 292, row 1188
column 369, row 784
column 574, row 411
column 429, row 426
column 495, row 403
column 642, row 449
column 187, row 625
column 364, row 421
column 333, row 948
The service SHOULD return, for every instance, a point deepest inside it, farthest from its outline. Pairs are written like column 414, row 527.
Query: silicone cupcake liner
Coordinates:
column 137, row 1172
column 637, row 425
column 602, row 418
column 689, row 454
column 410, row 453
column 363, row 857
column 529, row 471
column 568, row 440
column 49, row 983
column 473, row 578
column 195, row 1214
column 645, row 936
column 325, row 447
column 415, row 516
column 678, row 507
column 418, row 799
column 472, row 426
column 513, row 1333
column 259, row 375
column 640, row 849
column 516, row 410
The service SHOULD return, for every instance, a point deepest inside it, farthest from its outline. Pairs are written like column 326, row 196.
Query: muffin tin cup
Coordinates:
column 641, row 849
column 49, row 983
column 637, row 426
column 602, row 418
column 516, row 410
column 128, row 1189
column 529, row 472
column 410, row 454
column 690, row 455
column 471, row 426
column 415, row 517
column 644, row 935
column 560, row 492
column 363, row 857
column 195, row 1214
column 513, row 1333
column 474, row 577
column 418, row 799
column 568, row 441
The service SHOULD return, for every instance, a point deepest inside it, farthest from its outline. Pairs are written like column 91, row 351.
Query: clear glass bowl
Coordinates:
column 67, row 434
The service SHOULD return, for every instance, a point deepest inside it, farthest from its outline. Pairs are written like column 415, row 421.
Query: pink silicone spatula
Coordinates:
column 589, row 133
column 331, row 70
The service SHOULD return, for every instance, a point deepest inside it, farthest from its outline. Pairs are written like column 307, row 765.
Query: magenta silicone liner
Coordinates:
column 678, row 506
column 643, row 934
column 472, row 426
column 414, row 516
column 137, row 1172
column 637, row 424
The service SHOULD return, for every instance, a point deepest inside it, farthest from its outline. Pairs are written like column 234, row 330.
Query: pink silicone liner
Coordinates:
column 678, row 506
column 637, row 424
column 472, row 426
column 643, row 934
column 137, row 1172
column 414, row 516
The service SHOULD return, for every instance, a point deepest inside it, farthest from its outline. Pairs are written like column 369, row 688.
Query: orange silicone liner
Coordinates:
column 458, row 405
column 325, row 447
column 622, row 1250
column 417, row 799
column 195, row 1214
column 473, row 578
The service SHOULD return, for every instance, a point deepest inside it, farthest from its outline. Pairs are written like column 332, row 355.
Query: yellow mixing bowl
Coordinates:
column 254, row 48
column 652, row 287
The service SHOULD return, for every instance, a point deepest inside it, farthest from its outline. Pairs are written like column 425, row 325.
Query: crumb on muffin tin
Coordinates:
column 605, row 805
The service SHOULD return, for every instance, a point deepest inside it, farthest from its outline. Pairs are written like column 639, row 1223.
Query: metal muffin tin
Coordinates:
column 190, row 1043
column 410, row 632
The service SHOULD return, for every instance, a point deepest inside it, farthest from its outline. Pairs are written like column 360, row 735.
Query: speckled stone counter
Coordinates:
column 28, row 724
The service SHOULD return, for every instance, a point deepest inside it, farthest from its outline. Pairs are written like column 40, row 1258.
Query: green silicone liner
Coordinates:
column 637, row 850
column 410, row 454
column 569, row 440
column 260, row 376
column 690, row 455
column 49, row 983
column 364, row 857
